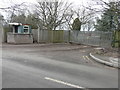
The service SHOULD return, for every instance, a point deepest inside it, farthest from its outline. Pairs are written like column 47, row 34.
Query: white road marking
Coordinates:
column 62, row 82
column 89, row 59
column 84, row 57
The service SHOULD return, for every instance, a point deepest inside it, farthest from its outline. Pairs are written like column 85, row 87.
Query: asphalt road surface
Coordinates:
column 54, row 66
column 0, row 56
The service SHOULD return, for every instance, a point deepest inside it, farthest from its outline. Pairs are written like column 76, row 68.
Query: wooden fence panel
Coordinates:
column 58, row 36
column 96, row 38
column 49, row 36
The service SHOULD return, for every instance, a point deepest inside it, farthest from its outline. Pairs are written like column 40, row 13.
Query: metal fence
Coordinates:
column 96, row 38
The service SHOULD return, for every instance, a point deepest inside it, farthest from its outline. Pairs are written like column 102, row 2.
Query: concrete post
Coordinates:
column 38, row 33
column 1, row 33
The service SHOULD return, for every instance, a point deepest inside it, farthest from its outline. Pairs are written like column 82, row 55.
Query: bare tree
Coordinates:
column 70, row 19
column 14, row 10
column 52, row 14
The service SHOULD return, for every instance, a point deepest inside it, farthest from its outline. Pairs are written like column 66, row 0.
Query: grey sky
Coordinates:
column 76, row 3
column 5, row 3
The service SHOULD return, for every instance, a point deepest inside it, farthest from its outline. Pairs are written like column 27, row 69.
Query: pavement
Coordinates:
column 106, row 60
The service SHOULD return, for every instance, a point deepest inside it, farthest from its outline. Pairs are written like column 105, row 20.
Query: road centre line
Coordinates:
column 62, row 82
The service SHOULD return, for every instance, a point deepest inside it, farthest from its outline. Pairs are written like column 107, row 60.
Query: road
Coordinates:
column 49, row 66
column 1, row 55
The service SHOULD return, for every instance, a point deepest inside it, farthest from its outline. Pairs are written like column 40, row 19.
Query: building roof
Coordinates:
column 15, row 23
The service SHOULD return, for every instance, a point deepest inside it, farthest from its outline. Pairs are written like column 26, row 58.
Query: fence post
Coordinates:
column 68, row 36
column 2, row 33
column 38, row 34
column 52, row 36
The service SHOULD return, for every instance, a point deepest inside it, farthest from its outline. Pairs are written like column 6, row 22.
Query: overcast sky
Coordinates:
column 76, row 3
column 5, row 3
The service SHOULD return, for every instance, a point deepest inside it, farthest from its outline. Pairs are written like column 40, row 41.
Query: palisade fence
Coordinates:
column 96, row 38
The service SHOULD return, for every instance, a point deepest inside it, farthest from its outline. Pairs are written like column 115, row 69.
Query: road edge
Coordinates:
column 103, row 61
